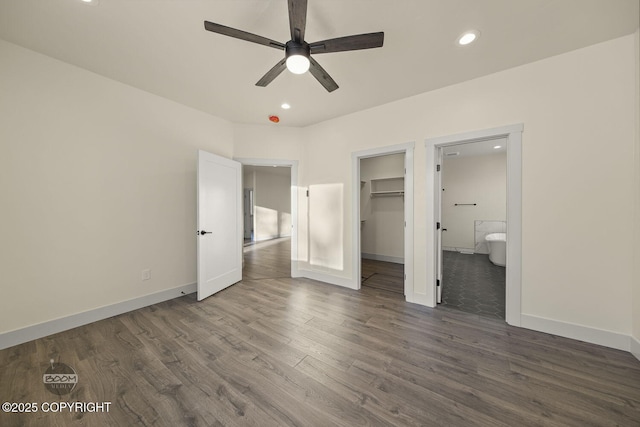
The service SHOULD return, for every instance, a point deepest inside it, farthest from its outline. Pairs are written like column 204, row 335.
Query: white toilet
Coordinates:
column 497, row 248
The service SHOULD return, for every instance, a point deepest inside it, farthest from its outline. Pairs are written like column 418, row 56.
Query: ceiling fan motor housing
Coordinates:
column 294, row 48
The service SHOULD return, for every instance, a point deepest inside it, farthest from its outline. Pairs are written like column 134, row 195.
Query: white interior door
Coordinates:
column 219, row 223
column 439, row 229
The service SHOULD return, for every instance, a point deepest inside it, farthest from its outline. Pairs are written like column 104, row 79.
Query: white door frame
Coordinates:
column 513, row 134
column 293, row 164
column 406, row 149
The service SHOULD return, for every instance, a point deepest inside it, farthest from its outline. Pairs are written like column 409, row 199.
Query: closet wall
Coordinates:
column 382, row 208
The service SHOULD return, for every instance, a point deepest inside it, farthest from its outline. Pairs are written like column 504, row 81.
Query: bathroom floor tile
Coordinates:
column 471, row 283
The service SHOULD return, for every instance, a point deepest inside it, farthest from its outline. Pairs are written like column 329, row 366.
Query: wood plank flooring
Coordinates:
column 387, row 276
column 267, row 260
column 294, row 352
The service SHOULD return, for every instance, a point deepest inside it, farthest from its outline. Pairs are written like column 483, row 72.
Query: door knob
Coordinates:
column 202, row 233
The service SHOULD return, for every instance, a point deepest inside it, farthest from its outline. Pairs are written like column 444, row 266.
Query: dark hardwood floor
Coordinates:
column 281, row 351
column 387, row 276
column 267, row 260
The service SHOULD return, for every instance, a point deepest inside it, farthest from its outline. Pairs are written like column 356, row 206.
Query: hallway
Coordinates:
column 270, row 259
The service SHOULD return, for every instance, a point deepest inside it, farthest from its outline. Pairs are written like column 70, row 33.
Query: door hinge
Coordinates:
column 437, row 168
column 437, row 226
column 307, row 193
column 437, row 282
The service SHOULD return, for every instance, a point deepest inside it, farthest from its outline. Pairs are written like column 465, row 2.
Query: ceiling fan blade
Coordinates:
column 322, row 76
column 272, row 73
column 242, row 35
column 297, row 19
column 341, row 44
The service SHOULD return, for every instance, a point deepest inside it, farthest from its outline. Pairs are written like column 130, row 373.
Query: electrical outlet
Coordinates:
column 146, row 274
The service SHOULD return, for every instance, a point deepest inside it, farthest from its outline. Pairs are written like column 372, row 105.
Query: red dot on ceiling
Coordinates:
column 274, row 119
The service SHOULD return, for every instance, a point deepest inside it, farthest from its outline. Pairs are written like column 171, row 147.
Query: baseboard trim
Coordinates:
column 385, row 258
column 635, row 347
column 327, row 278
column 30, row 333
column 577, row 332
column 418, row 299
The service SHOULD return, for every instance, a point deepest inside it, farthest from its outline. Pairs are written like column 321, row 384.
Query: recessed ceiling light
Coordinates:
column 468, row 37
column 497, row 146
column 91, row 2
column 285, row 106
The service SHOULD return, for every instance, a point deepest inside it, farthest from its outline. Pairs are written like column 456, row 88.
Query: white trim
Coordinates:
column 635, row 347
column 293, row 164
column 385, row 258
column 345, row 282
column 421, row 299
column 577, row 332
column 407, row 149
column 513, row 134
column 30, row 333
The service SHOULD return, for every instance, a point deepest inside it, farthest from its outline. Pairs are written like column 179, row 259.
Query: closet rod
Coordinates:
column 466, row 204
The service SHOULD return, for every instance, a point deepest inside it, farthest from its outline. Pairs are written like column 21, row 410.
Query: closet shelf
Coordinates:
column 387, row 193
column 393, row 186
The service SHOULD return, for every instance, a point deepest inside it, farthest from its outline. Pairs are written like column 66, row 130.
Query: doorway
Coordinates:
column 393, row 189
column 271, row 211
column 513, row 137
column 382, row 222
column 473, row 206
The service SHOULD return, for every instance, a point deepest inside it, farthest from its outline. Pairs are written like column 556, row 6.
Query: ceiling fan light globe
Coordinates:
column 298, row 64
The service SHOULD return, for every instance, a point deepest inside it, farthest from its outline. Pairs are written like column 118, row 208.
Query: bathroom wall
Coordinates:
column 478, row 179
column 382, row 233
column 482, row 229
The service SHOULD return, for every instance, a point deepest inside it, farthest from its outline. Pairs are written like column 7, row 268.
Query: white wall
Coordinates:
column 268, row 141
column 272, row 205
column 382, row 232
column 97, row 182
column 579, row 117
column 475, row 179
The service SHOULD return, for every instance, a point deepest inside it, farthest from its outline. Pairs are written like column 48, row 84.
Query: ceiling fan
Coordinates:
column 297, row 51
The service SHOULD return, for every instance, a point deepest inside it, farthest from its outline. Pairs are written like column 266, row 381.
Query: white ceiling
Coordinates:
column 161, row 46
column 479, row 148
column 272, row 170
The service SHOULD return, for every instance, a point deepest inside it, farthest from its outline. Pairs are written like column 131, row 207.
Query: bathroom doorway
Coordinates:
column 473, row 205
column 513, row 137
